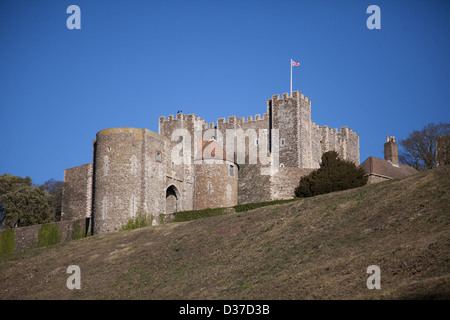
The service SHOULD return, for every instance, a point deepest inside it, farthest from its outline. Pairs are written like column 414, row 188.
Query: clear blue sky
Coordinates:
column 134, row 61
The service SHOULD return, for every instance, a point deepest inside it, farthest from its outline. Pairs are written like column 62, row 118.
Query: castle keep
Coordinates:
column 191, row 164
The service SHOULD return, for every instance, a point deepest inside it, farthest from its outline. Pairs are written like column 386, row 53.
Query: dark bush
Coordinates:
column 334, row 174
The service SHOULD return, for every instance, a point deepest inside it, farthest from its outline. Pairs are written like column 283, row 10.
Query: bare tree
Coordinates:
column 443, row 150
column 419, row 148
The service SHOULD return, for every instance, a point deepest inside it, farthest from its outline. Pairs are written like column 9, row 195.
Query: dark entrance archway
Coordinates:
column 172, row 199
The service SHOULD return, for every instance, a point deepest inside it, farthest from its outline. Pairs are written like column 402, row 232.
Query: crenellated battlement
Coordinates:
column 344, row 140
column 303, row 140
column 190, row 122
column 299, row 96
column 221, row 121
column 242, row 120
column 295, row 95
column 181, row 116
column 343, row 130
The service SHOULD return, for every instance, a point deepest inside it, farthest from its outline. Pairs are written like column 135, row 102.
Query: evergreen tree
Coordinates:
column 334, row 174
column 22, row 204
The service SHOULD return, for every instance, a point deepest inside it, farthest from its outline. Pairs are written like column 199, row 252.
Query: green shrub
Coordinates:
column 181, row 216
column 141, row 220
column 334, row 174
column 7, row 241
column 77, row 230
column 48, row 235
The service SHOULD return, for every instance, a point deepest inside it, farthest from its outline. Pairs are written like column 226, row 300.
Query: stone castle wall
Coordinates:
column 241, row 126
column 30, row 237
column 77, row 192
column 301, row 141
column 193, row 124
column 253, row 187
column 118, row 172
column 286, row 118
column 216, row 184
column 136, row 170
column 133, row 169
column 284, row 182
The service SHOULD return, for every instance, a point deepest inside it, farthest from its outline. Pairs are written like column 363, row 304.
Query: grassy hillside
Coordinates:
column 315, row 248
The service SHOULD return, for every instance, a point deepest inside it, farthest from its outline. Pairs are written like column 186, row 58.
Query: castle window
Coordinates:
column 256, row 142
column 281, row 165
column 231, row 171
column 158, row 156
column 282, row 142
column 173, row 165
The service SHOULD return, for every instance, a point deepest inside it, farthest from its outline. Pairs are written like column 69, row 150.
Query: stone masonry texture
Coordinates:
column 139, row 172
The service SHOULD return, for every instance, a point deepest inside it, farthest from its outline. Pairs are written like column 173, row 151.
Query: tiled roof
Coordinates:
column 380, row 167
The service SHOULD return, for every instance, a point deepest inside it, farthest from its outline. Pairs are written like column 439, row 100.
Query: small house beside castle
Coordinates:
column 379, row 170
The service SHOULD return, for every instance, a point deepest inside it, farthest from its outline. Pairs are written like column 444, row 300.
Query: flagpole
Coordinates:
column 291, row 77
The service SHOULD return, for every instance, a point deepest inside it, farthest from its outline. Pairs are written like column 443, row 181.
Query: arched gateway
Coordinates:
column 172, row 199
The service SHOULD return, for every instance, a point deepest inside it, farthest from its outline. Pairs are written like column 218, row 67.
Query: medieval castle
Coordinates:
column 191, row 164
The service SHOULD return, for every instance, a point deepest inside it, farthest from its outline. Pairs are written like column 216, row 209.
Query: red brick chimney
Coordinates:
column 391, row 150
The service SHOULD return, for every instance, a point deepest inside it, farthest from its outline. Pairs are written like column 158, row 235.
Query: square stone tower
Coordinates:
column 292, row 117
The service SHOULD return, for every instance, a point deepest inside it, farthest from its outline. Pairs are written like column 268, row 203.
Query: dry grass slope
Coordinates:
column 315, row 248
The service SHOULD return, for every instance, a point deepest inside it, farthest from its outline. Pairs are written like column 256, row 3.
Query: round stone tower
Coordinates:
column 118, row 159
column 216, row 177
column 135, row 175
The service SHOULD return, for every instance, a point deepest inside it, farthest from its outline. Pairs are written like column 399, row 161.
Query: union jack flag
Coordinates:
column 295, row 64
